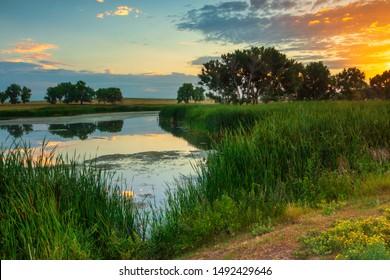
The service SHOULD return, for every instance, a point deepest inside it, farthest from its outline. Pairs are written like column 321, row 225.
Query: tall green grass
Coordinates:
column 265, row 157
column 303, row 153
column 62, row 211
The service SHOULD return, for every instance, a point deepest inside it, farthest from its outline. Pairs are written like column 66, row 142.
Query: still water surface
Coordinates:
column 144, row 157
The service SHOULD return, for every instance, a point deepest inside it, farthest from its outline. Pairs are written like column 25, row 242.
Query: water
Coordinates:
column 144, row 157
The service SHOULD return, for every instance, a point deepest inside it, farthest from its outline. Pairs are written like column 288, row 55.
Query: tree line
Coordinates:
column 66, row 93
column 15, row 94
column 265, row 74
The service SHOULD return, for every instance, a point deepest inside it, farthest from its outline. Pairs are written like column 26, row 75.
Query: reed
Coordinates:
column 268, row 157
column 62, row 210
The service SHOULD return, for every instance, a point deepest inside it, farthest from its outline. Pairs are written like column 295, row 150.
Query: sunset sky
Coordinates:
column 149, row 48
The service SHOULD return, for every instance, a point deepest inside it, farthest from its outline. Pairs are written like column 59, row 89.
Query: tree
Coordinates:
column 350, row 83
column 109, row 95
column 26, row 94
column 380, row 84
column 250, row 75
column 3, row 97
column 185, row 93
column 63, row 91
column 13, row 93
column 83, row 93
column 198, row 94
column 317, row 82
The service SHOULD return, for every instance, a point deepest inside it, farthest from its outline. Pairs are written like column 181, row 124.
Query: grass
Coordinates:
column 273, row 164
column 62, row 211
column 306, row 154
column 44, row 109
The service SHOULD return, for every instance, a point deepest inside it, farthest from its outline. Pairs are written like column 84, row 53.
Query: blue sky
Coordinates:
column 149, row 48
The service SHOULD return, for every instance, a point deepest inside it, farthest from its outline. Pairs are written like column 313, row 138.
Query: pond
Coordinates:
column 144, row 157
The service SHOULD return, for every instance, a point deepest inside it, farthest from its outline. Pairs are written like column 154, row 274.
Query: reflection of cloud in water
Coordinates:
column 149, row 172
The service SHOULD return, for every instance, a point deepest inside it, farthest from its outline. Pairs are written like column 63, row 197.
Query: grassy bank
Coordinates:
column 272, row 163
column 63, row 211
column 271, row 156
column 43, row 109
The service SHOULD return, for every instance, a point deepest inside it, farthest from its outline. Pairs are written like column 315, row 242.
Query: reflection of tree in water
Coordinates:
column 110, row 126
column 82, row 130
column 198, row 140
column 18, row 130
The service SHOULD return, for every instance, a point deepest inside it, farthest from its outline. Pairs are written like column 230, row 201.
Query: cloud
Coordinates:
column 28, row 46
column 123, row 11
column 100, row 1
column 141, row 85
column 31, row 52
column 324, row 27
column 120, row 11
column 203, row 59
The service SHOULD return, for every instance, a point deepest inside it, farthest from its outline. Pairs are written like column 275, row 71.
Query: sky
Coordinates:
column 148, row 48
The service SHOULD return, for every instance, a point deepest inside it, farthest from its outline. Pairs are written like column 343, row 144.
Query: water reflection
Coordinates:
column 83, row 130
column 17, row 130
column 144, row 156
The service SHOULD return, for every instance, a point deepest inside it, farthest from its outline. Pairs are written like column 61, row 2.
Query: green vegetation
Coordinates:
column 16, row 94
column 363, row 239
column 63, row 211
column 72, row 110
column 188, row 92
column 73, row 93
column 270, row 156
column 270, row 163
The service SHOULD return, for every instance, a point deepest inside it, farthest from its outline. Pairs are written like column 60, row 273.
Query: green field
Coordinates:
column 44, row 109
column 266, row 159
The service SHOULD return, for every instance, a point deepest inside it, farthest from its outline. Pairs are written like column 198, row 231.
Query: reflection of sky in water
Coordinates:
column 152, row 158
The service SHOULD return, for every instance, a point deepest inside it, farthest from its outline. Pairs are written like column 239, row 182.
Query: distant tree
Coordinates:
column 83, row 93
column 51, row 95
column 380, row 84
column 63, row 91
column 109, row 95
column 185, row 93
column 66, row 93
column 350, row 83
column 198, row 94
column 317, row 82
column 3, row 97
column 13, row 93
column 25, row 95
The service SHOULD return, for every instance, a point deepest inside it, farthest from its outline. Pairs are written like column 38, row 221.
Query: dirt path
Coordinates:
column 283, row 242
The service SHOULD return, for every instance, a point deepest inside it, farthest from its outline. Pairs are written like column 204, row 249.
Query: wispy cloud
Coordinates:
column 31, row 52
column 120, row 11
column 29, row 46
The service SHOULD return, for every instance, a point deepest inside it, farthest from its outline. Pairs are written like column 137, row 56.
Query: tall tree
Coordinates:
column 246, row 76
column 317, row 82
column 83, row 93
column 25, row 95
column 350, row 83
column 381, row 85
column 13, row 92
column 184, row 93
